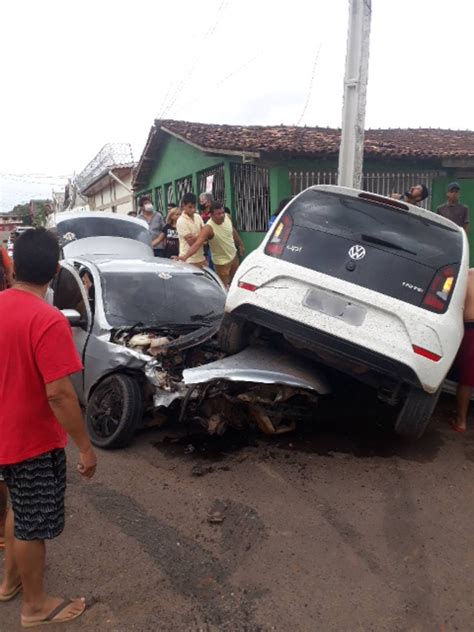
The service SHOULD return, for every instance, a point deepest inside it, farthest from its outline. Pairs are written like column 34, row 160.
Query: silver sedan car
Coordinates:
column 146, row 329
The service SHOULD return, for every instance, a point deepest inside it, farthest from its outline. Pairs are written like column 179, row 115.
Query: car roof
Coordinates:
column 67, row 215
column 355, row 193
column 147, row 264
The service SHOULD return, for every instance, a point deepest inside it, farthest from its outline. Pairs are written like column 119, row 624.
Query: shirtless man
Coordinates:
column 464, row 363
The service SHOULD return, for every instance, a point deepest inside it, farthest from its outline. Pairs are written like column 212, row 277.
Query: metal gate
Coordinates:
column 383, row 183
column 389, row 183
column 252, row 197
column 218, row 182
column 301, row 180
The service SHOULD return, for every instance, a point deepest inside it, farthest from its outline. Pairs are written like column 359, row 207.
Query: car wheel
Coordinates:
column 114, row 411
column 233, row 334
column 416, row 412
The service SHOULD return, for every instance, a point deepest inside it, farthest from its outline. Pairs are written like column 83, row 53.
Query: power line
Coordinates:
column 37, row 182
column 180, row 86
column 225, row 78
column 43, row 176
column 310, row 88
column 208, row 35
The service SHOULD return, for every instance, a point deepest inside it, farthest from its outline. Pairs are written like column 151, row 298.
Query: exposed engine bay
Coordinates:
column 259, row 386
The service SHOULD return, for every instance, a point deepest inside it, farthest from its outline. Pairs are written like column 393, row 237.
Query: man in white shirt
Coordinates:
column 189, row 226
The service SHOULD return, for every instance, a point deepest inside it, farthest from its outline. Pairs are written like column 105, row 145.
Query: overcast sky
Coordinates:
column 77, row 75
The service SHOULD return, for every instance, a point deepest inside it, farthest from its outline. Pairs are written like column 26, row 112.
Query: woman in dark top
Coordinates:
column 170, row 235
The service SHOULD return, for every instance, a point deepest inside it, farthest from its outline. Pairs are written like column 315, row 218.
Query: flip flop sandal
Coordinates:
column 11, row 595
column 51, row 616
column 456, row 428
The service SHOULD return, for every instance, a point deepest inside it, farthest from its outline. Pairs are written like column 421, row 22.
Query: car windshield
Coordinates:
column 151, row 299
column 83, row 227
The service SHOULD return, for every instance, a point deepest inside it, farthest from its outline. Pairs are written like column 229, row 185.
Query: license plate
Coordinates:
column 335, row 306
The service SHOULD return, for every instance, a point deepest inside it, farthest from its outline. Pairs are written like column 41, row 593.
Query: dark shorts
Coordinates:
column 464, row 363
column 37, row 489
column 159, row 253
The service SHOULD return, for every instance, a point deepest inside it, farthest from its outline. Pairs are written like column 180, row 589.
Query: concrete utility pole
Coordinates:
column 351, row 151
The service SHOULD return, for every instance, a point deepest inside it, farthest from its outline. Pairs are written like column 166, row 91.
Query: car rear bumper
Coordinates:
column 336, row 352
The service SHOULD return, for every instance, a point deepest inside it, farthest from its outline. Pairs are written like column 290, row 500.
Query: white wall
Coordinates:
column 113, row 194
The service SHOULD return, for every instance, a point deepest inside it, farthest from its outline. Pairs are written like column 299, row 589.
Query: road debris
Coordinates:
column 201, row 470
column 215, row 517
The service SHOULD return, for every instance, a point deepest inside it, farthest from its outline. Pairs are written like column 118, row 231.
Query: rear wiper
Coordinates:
column 382, row 242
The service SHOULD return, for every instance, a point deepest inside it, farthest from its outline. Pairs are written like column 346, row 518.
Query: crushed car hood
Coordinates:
column 263, row 366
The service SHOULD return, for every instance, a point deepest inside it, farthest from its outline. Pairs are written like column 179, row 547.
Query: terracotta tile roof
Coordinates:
column 309, row 142
column 318, row 141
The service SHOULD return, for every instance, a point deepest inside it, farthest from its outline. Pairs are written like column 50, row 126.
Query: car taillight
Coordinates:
column 247, row 286
column 426, row 353
column 279, row 237
column 437, row 297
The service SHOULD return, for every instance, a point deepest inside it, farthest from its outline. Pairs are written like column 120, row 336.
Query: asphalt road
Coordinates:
column 340, row 526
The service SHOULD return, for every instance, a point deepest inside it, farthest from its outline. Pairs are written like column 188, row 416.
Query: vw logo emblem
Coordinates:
column 357, row 252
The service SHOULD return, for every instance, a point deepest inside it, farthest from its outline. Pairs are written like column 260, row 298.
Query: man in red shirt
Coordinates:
column 6, row 280
column 38, row 409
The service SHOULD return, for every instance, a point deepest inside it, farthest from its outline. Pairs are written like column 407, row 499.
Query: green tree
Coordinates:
column 23, row 211
column 42, row 209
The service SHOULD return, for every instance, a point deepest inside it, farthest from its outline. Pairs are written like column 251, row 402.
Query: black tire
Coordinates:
column 416, row 413
column 114, row 411
column 233, row 334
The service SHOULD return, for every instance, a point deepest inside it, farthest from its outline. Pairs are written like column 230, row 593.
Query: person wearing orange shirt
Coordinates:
column 6, row 271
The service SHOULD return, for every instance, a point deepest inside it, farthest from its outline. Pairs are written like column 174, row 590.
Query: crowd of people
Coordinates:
column 204, row 237
column 36, row 340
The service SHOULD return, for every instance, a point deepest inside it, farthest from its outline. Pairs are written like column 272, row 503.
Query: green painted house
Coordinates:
column 251, row 168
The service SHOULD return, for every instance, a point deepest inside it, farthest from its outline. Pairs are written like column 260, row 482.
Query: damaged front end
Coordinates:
column 258, row 386
column 165, row 353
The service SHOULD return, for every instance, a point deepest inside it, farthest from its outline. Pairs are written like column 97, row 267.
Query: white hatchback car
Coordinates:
column 365, row 284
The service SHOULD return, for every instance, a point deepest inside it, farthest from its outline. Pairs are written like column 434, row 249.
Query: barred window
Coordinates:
column 252, row 197
column 159, row 200
column 218, row 182
column 169, row 194
column 184, row 185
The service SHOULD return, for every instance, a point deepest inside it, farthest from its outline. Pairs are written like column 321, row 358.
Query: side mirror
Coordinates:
column 73, row 317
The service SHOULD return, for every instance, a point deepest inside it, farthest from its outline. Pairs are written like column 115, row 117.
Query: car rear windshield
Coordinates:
column 161, row 299
column 388, row 227
column 83, row 227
